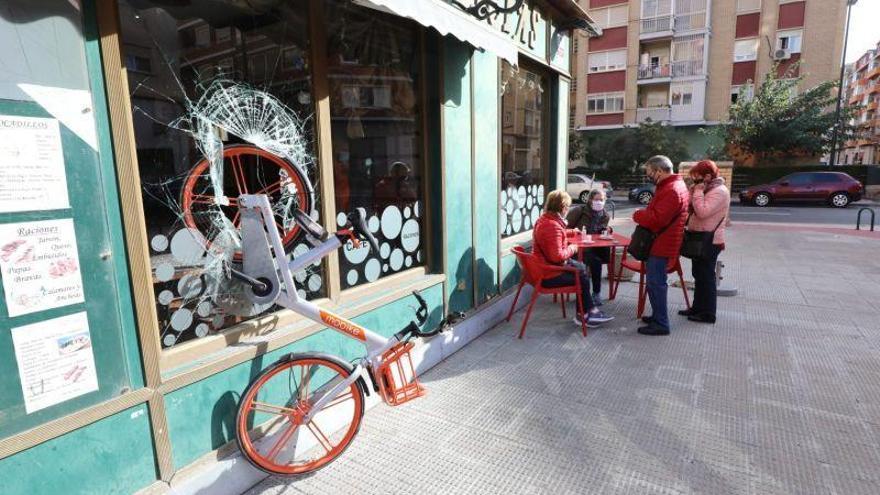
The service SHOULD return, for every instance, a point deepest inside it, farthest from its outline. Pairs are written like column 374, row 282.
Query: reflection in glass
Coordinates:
column 373, row 71
column 523, row 164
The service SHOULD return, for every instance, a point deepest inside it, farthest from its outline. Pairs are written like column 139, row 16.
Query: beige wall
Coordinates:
column 632, row 62
column 720, row 58
column 823, row 41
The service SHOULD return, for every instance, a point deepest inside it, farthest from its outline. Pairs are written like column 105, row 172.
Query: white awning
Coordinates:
column 447, row 19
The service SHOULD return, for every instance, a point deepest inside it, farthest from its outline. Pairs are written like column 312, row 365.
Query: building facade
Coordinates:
column 683, row 62
column 863, row 91
column 125, row 343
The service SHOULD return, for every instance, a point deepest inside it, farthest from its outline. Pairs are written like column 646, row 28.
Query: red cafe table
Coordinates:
column 613, row 241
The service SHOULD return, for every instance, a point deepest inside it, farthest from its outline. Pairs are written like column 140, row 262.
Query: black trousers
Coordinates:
column 567, row 278
column 595, row 258
column 705, row 290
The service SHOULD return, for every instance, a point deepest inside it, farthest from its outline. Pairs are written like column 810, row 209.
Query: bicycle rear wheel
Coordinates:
column 271, row 427
column 247, row 169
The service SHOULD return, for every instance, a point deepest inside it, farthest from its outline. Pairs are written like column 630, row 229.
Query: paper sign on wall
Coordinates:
column 40, row 266
column 31, row 165
column 55, row 361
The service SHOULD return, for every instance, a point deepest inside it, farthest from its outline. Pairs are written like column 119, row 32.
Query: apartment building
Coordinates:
column 863, row 90
column 683, row 62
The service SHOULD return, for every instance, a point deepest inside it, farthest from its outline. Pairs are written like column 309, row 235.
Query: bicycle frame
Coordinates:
column 263, row 258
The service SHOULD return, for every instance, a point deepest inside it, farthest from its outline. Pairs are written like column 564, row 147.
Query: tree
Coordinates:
column 779, row 123
column 576, row 146
column 624, row 151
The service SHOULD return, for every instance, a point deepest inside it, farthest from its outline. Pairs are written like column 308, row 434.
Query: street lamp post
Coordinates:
column 832, row 160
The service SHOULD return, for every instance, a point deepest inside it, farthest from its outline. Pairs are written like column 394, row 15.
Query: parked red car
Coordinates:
column 837, row 189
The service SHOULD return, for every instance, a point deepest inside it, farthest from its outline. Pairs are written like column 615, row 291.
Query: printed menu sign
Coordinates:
column 55, row 361
column 40, row 266
column 31, row 165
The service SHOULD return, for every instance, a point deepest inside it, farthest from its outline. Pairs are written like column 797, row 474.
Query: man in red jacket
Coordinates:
column 665, row 215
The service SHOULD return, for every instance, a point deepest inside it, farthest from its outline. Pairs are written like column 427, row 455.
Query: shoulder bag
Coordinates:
column 642, row 239
column 696, row 245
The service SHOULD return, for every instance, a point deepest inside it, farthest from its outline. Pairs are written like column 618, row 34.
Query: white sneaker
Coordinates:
column 589, row 322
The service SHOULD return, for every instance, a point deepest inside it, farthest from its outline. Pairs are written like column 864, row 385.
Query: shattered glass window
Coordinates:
column 374, row 76
column 222, row 105
column 524, row 172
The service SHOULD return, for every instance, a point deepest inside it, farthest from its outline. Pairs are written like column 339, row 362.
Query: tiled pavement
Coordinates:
column 782, row 395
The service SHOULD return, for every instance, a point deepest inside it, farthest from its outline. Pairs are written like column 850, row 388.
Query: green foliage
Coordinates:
column 779, row 122
column 576, row 146
column 626, row 150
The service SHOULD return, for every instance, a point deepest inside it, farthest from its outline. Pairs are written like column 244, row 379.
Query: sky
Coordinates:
column 864, row 28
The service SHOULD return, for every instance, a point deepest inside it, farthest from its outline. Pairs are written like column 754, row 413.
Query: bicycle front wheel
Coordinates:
column 278, row 428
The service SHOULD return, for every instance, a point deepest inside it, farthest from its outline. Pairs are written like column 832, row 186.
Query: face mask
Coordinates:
column 598, row 205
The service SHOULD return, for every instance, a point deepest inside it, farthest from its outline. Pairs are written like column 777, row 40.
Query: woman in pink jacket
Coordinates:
column 709, row 211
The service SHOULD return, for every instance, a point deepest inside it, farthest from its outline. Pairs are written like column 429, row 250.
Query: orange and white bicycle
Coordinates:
column 301, row 412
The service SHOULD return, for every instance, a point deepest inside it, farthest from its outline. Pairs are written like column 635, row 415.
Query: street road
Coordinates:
column 783, row 214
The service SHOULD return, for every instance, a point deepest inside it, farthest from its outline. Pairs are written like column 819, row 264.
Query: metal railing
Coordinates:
column 653, row 71
column 690, row 22
column 682, row 68
column 657, row 24
column 656, row 114
column 859, row 218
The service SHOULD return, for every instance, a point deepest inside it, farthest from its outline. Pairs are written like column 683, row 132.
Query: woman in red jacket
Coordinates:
column 550, row 245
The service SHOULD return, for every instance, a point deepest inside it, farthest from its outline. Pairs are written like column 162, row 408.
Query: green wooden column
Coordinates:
column 457, row 167
column 486, row 180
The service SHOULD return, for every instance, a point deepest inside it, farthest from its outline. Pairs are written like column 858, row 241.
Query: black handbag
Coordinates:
column 696, row 245
column 642, row 239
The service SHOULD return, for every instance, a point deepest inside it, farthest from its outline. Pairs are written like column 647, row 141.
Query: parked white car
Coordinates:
column 579, row 186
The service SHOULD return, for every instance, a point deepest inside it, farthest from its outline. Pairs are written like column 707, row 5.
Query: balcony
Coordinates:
column 687, row 68
column 668, row 25
column 656, row 27
column 654, row 73
column 690, row 22
column 654, row 114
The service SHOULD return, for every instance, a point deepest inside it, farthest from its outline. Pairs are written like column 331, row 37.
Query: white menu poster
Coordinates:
column 39, row 264
column 31, row 165
column 55, row 361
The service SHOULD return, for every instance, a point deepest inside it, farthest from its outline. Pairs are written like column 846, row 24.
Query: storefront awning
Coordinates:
column 447, row 19
column 577, row 17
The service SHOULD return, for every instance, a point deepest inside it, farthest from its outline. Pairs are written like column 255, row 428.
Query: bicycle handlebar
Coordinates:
column 414, row 328
column 358, row 221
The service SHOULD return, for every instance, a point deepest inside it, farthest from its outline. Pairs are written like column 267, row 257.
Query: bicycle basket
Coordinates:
column 397, row 376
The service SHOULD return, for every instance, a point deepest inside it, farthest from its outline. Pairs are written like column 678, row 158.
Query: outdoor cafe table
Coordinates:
column 613, row 242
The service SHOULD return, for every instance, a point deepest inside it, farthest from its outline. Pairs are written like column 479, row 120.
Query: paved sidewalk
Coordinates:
column 782, row 395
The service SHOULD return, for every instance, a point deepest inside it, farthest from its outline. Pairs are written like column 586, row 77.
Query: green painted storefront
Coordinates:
column 159, row 409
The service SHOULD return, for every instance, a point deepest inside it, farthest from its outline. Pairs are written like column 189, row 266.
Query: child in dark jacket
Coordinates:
column 593, row 219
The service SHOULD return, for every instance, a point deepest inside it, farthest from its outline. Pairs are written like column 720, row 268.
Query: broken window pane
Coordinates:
column 375, row 94
column 222, row 105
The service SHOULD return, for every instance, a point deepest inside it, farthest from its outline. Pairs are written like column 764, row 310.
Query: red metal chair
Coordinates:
column 534, row 273
column 640, row 268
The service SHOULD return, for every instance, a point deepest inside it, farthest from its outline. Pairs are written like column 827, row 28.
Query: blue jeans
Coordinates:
column 656, row 284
